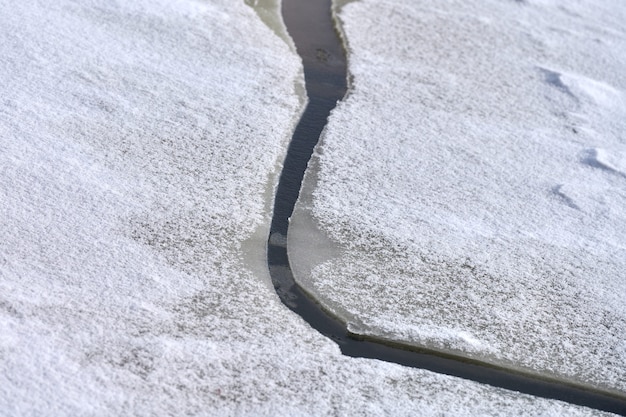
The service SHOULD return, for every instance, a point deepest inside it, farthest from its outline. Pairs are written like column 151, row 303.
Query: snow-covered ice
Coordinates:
column 473, row 185
column 139, row 147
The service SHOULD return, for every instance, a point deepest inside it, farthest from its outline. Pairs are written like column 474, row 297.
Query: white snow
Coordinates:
column 613, row 161
column 473, row 184
column 139, row 147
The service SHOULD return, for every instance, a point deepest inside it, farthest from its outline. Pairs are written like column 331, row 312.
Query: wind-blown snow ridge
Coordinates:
column 611, row 161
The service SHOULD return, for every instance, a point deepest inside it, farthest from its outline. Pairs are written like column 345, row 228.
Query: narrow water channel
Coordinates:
column 310, row 24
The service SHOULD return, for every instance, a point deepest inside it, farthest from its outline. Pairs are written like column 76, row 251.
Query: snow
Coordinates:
column 471, row 188
column 140, row 145
column 612, row 161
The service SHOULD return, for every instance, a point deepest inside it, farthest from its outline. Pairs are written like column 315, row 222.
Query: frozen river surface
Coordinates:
column 139, row 148
column 473, row 184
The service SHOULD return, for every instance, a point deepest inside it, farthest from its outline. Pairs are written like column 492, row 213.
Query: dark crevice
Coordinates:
column 310, row 24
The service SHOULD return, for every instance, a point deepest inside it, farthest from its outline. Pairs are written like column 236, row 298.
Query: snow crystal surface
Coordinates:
column 473, row 184
column 139, row 145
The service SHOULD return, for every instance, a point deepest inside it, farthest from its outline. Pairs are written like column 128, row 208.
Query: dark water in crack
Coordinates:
column 310, row 25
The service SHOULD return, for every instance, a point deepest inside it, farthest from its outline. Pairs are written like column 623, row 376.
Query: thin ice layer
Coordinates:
column 473, row 183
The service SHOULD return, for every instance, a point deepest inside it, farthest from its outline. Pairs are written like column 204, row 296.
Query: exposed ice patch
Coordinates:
column 269, row 12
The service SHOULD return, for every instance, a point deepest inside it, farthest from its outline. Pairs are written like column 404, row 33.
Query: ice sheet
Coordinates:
column 139, row 144
column 473, row 183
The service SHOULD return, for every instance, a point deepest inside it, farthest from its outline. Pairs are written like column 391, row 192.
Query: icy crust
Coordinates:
column 474, row 183
column 137, row 139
